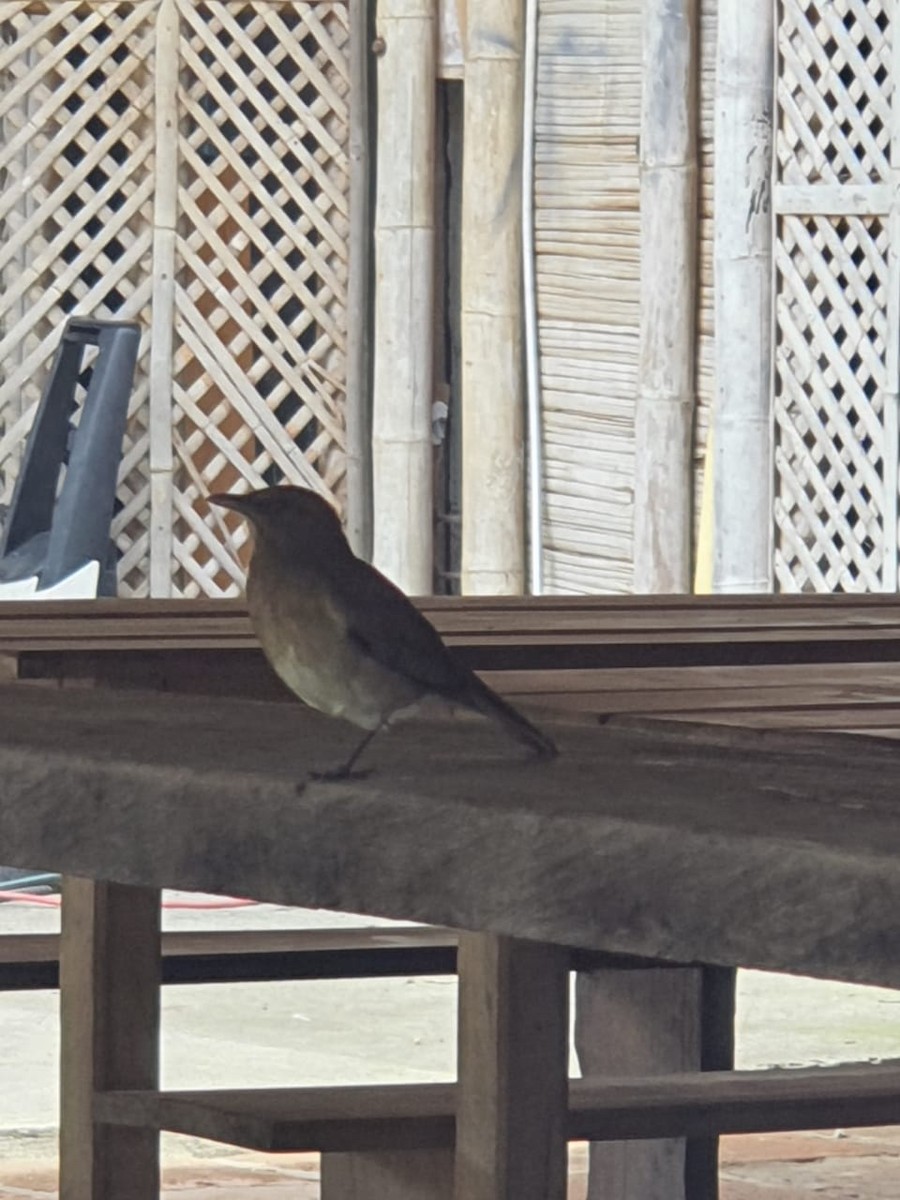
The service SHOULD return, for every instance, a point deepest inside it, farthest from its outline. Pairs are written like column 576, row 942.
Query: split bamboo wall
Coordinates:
column 183, row 163
column 587, row 224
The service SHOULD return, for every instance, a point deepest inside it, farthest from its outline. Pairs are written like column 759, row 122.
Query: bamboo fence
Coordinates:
column 185, row 164
column 190, row 164
column 588, row 231
column 806, row 464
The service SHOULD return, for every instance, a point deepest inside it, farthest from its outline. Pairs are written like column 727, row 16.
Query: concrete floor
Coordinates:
column 403, row 1030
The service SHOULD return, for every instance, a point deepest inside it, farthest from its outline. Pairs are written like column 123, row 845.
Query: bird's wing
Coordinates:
column 388, row 627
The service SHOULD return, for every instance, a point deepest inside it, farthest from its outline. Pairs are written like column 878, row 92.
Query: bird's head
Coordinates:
column 292, row 512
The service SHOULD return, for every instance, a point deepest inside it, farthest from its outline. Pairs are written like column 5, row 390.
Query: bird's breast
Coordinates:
column 304, row 635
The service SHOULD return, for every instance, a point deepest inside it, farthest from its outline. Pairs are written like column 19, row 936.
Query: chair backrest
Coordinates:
column 55, row 531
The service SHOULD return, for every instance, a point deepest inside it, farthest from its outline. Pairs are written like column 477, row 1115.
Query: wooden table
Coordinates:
column 674, row 842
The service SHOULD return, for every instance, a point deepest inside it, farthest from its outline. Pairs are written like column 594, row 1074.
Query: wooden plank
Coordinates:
column 44, row 947
column 725, row 611
column 421, row 1116
column 153, row 625
column 29, row 961
column 802, row 829
column 834, row 199
column 333, row 1120
column 786, row 643
column 722, row 611
column 513, row 1039
column 109, row 1014
column 388, row 1175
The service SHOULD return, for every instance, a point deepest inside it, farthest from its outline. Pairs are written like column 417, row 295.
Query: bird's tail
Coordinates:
column 485, row 700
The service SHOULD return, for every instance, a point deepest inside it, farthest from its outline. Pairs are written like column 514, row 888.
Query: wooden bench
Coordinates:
column 395, row 1117
column 397, row 1142
column 30, row 961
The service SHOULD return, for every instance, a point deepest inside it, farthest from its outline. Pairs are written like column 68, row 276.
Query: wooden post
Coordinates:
column 638, row 1023
column 404, row 290
column 162, row 334
column 742, row 457
column 358, row 419
column 493, row 502
column 664, row 414
column 654, row 1021
column 109, row 1017
column 512, row 1091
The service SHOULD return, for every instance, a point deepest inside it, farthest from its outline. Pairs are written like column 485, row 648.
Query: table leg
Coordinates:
column 109, row 1015
column 388, row 1175
column 646, row 1022
column 513, row 1069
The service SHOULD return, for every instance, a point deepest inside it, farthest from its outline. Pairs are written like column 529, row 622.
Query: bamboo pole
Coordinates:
column 162, row 334
column 358, row 517
column 664, row 411
column 404, row 285
column 742, row 460
column 493, row 516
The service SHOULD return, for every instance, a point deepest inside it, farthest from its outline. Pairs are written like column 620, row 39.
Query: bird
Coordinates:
column 344, row 638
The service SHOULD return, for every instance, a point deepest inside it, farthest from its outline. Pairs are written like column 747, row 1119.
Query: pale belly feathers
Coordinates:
column 327, row 670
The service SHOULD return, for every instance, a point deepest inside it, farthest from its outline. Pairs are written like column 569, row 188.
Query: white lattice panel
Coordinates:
column 834, row 91
column 835, row 502
column 76, row 203
column 260, row 258
column 258, row 94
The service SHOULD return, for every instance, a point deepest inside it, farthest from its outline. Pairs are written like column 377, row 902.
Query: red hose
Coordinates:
column 54, row 901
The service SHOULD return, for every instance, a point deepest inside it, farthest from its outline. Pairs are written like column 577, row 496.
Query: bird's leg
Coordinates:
column 345, row 770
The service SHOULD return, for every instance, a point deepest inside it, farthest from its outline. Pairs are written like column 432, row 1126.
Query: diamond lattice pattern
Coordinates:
column 261, row 263
column 830, row 381
column 834, row 91
column 76, row 206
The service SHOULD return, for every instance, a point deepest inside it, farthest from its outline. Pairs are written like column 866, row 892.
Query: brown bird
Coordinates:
column 342, row 636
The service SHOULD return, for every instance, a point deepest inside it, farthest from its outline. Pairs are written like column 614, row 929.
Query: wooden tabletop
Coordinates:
column 727, row 846
column 554, row 622
column 818, row 662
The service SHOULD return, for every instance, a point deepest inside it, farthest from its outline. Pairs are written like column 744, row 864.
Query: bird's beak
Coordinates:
column 241, row 504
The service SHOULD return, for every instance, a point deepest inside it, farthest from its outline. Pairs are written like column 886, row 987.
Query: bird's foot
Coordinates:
column 338, row 775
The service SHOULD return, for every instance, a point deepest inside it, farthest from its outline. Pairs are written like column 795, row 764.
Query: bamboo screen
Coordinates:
column 183, row 164
column 587, row 227
column 837, row 292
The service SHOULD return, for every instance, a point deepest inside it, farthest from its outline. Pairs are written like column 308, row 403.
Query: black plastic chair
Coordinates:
column 50, row 532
